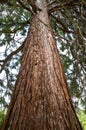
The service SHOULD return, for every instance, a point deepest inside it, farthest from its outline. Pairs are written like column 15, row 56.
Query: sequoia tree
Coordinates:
column 41, row 99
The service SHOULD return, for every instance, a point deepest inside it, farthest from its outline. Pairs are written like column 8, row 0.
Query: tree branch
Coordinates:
column 6, row 2
column 25, row 7
column 19, row 1
column 10, row 56
column 68, row 5
column 51, row 3
column 65, row 29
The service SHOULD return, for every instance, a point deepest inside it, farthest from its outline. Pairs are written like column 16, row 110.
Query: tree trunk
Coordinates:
column 41, row 99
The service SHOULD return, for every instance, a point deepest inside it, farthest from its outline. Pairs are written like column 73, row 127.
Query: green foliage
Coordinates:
column 2, row 116
column 82, row 118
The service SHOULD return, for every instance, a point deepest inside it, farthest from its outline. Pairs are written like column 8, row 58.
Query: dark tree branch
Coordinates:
column 20, row 4
column 15, row 29
column 10, row 24
column 6, row 2
column 63, row 28
column 25, row 7
column 10, row 56
column 51, row 3
column 61, row 6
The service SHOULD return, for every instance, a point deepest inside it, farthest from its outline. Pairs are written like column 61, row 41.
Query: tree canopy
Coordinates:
column 68, row 24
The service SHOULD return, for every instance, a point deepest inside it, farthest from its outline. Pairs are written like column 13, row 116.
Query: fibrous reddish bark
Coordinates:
column 41, row 99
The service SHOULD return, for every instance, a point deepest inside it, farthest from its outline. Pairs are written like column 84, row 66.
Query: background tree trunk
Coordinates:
column 41, row 100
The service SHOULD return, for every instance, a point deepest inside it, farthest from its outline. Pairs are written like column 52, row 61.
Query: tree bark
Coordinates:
column 41, row 99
